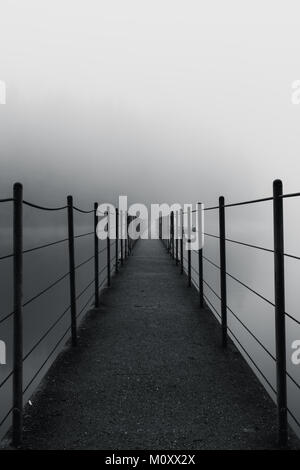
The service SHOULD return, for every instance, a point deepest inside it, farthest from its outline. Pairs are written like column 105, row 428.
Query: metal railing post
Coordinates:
column 126, row 233
column 172, row 252
column 117, row 240
column 130, row 229
column 176, row 238
column 96, row 256
column 189, row 252
column 108, row 250
column 189, row 268
column 159, row 228
column 72, row 270
column 200, row 254
column 280, row 335
column 200, row 280
column 121, row 237
column 169, row 234
column 17, row 416
column 181, row 241
column 223, row 270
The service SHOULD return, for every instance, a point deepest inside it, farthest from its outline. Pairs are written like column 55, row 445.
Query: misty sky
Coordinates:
column 162, row 100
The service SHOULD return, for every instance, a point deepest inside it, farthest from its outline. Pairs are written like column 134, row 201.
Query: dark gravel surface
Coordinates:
column 149, row 373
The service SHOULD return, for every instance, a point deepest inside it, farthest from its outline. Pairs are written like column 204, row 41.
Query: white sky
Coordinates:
column 160, row 100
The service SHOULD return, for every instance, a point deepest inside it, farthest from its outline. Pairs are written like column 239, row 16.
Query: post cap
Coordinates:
column 18, row 185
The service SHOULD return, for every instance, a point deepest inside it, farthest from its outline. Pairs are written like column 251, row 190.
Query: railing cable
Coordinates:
column 250, row 245
column 250, row 289
column 50, row 286
column 10, row 199
column 44, row 208
column 240, row 243
column 46, row 245
column 211, row 289
column 83, row 211
column 245, row 351
column 253, row 362
column 84, row 234
column 56, row 345
column 211, row 262
column 6, row 379
column 292, row 318
column 46, row 360
column 6, row 317
column 5, row 417
column 242, row 323
column 59, row 318
column 252, row 334
column 46, row 333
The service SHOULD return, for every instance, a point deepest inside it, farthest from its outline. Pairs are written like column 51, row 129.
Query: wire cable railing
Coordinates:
column 6, row 317
column 44, row 208
column 51, row 285
column 46, row 245
column 279, row 254
column 246, row 328
column 62, row 315
column 254, row 201
column 58, row 343
column 9, row 199
column 47, row 332
column 252, row 361
column 108, row 267
column 46, row 360
column 83, row 211
column 250, row 289
column 256, row 247
column 6, row 379
column 237, row 318
column 245, row 285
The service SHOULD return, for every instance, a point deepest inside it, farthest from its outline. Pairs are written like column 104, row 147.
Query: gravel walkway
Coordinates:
column 149, row 373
